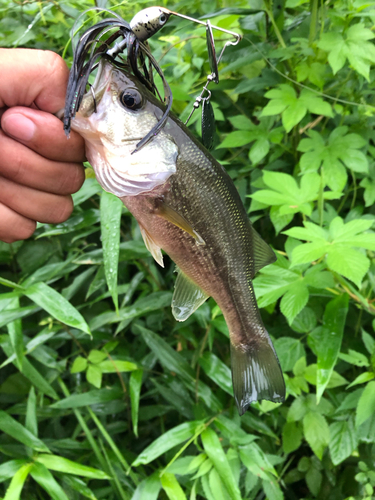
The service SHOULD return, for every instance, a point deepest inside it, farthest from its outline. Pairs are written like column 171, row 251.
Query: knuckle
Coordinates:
column 54, row 63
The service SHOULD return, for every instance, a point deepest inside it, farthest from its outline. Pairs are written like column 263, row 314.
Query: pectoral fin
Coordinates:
column 262, row 252
column 187, row 297
column 168, row 213
column 151, row 246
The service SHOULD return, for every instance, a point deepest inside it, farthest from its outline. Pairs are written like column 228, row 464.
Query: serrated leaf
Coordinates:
column 366, row 404
column 294, row 301
column 289, row 351
column 316, row 432
column 343, row 440
column 292, row 437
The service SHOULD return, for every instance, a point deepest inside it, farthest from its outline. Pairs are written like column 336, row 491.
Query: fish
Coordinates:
column 186, row 205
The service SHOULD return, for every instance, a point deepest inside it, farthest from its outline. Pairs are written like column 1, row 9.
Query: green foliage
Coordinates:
column 102, row 393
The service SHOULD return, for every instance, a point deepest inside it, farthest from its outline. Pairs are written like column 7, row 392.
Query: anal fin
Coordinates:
column 262, row 252
column 187, row 297
column 168, row 213
column 151, row 246
column 256, row 375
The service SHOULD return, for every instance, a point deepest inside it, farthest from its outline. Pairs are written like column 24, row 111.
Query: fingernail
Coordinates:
column 19, row 127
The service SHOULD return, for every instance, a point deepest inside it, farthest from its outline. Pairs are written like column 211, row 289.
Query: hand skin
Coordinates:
column 39, row 167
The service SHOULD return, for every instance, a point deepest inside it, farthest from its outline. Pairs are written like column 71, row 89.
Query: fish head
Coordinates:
column 113, row 117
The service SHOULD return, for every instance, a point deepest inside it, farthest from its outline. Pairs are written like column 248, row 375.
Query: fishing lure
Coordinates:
column 91, row 49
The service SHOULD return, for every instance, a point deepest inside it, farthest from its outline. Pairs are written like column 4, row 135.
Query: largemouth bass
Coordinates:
column 187, row 205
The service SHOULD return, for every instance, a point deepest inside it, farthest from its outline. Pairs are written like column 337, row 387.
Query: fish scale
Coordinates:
column 196, row 216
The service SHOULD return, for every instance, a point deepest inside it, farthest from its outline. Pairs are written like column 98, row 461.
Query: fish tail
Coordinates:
column 256, row 371
column 256, row 374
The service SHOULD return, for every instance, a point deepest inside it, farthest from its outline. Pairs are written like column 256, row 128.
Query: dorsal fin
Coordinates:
column 262, row 252
column 187, row 297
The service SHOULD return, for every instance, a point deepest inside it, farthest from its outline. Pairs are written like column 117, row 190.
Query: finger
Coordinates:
column 43, row 133
column 23, row 166
column 13, row 226
column 36, row 205
column 33, row 76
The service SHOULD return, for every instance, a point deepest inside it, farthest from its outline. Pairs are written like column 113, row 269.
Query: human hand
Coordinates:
column 39, row 167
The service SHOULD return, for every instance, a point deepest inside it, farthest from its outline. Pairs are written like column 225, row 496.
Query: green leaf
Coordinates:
column 289, row 351
column 20, row 433
column 355, row 358
column 31, row 418
column 110, row 215
column 362, row 378
column 352, row 45
column 349, row 263
column 15, row 488
column 216, row 454
column 237, row 139
column 174, row 362
column 9, row 469
column 272, row 490
column 148, row 489
column 15, row 334
column 171, row 487
column 284, row 100
column 88, row 398
column 316, row 431
column 217, row 371
column 343, row 440
column 56, row 305
column 369, row 341
column 294, row 301
column 117, row 366
column 96, row 356
column 366, row 404
column 166, row 441
column 135, row 385
column 94, row 376
column 43, row 477
column 292, row 437
column 79, row 365
column 328, row 343
column 40, row 382
column 61, row 464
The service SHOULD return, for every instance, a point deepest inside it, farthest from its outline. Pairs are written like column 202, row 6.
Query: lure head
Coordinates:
column 149, row 21
column 113, row 117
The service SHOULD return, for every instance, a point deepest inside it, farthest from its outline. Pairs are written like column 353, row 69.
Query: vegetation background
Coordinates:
column 143, row 409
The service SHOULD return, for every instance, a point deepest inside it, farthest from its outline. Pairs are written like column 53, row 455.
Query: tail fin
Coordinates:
column 256, row 374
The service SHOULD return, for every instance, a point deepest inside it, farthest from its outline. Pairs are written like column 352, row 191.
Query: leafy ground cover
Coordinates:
column 102, row 394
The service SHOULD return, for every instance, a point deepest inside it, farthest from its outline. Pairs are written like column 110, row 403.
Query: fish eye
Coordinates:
column 131, row 99
column 162, row 19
